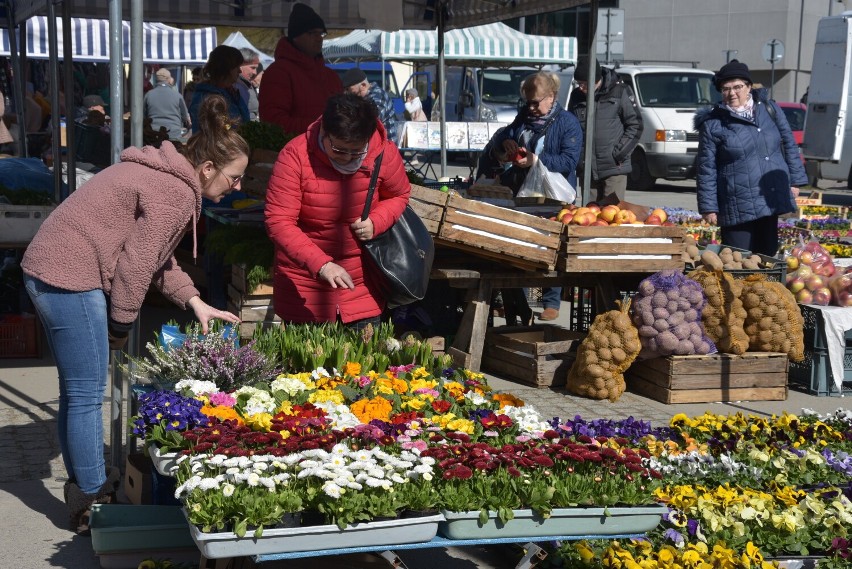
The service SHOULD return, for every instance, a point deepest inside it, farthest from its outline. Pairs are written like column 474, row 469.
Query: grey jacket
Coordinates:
column 166, row 107
column 618, row 125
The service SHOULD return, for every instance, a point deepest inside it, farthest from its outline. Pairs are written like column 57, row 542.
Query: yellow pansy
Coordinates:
column 286, row 407
column 463, row 425
column 455, row 389
column 259, row 421
column 413, row 403
column 416, row 384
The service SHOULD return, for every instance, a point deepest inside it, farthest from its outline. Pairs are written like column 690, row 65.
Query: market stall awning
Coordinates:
column 90, row 41
column 338, row 14
column 491, row 43
column 239, row 41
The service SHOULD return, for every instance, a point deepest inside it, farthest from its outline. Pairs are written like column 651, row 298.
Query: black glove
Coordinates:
column 117, row 335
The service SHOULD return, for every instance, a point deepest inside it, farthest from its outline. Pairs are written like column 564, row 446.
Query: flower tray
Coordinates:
column 163, row 463
column 563, row 522
column 122, row 528
column 285, row 540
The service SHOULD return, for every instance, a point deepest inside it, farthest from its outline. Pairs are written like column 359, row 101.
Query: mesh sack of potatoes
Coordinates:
column 773, row 321
column 723, row 316
column 610, row 346
column 667, row 313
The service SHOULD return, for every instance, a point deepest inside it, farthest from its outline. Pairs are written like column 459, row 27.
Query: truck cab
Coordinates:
column 667, row 98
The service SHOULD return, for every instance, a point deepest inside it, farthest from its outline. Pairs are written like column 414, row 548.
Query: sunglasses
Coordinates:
column 234, row 181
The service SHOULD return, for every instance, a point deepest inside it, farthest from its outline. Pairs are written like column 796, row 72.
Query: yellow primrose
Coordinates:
column 286, row 407
column 463, row 425
column 413, row 403
column 421, row 374
column 304, row 377
column 416, row 384
column 323, row 396
column 259, row 421
column 455, row 389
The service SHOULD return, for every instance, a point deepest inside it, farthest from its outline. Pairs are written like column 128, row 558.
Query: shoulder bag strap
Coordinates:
column 377, row 165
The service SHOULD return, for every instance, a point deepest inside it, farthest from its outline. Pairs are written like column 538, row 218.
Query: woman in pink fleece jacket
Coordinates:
column 92, row 261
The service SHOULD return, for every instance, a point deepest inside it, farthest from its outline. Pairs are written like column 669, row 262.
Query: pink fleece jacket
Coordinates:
column 119, row 231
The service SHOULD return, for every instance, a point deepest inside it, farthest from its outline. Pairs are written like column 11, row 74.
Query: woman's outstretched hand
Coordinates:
column 204, row 313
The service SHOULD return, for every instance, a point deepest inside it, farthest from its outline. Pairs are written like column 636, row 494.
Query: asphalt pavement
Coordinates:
column 34, row 533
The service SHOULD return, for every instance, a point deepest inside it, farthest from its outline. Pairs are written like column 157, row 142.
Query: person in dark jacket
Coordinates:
column 221, row 73
column 748, row 164
column 355, row 81
column 618, row 126
column 546, row 132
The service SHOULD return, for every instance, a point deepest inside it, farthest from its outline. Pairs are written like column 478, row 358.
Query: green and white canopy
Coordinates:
column 493, row 44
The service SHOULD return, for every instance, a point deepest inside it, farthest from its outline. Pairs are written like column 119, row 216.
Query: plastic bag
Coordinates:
column 171, row 337
column 542, row 182
column 814, row 255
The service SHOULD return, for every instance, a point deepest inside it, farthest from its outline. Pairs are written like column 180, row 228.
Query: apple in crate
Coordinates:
column 653, row 220
column 609, row 213
column 593, row 206
column 661, row 213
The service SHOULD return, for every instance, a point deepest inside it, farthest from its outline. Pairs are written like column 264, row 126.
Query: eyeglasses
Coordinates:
column 734, row 88
column 319, row 33
column 537, row 103
column 337, row 150
column 234, row 181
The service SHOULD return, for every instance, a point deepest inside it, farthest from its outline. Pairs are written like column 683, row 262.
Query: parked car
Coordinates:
column 795, row 113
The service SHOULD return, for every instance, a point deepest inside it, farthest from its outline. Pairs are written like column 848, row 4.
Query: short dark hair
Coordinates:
column 350, row 118
column 221, row 61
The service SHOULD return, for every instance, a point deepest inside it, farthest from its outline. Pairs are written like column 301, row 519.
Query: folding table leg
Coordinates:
column 535, row 554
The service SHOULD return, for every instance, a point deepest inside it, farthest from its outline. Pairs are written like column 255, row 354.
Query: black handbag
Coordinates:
column 403, row 254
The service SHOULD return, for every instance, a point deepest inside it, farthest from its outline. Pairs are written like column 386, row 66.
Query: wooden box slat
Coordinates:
column 537, row 355
column 494, row 232
column 630, row 255
column 238, row 281
column 754, row 376
column 429, row 205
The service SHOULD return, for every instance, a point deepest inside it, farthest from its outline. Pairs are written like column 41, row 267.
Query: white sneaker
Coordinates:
column 415, row 162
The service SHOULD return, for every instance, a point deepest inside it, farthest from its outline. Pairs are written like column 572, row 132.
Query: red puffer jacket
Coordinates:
column 309, row 207
column 295, row 88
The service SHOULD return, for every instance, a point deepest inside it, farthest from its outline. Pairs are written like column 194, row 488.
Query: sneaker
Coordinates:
column 549, row 314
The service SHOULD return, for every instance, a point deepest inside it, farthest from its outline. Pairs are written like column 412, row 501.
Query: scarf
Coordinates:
column 348, row 168
column 746, row 111
column 534, row 127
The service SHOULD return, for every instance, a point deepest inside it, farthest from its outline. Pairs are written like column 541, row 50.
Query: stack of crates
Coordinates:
column 813, row 375
column 581, row 307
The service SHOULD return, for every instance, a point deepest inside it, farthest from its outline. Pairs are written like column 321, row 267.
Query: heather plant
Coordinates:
column 214, row 357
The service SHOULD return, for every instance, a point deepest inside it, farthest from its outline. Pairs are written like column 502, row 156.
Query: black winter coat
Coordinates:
column 618, row 125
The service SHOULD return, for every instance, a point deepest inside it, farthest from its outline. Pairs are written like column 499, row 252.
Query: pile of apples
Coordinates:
column 593, row 214
column 808, row 275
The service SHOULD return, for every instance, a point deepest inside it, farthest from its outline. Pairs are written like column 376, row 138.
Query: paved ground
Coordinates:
column 34, row 535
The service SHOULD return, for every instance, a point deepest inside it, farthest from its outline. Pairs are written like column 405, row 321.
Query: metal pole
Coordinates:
column 116, row 96
column 799, row 54
column 608, row 18
column 54, row 101
column 588, row 143
column 442, row 82
column 136, row 76
column 19, row 75
column 70, row 103
column 772, row 76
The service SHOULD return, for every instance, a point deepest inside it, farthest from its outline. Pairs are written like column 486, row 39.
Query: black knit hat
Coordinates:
column 353, row 77
column 732, row 70
column 303, row 19
column 581, row 72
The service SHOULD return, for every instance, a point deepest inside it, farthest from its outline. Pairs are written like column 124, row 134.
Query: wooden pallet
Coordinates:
column 753, row 376
column 538, row 355
column 622, row 249
column 429, row 205
column 516, row 238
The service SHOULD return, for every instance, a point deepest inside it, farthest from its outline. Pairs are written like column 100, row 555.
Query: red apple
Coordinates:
column 661, row 213
column 566, row 219
column 623, row 215
column 653, row 220
column 814, row 282
column 795, row 285
column 593, row 206
column 599, row 222
column 827, row 269
column 822, row 296
column 806, row 258
column 804, row 271
column 609, row 213
column 804, row 296
column 844, row 298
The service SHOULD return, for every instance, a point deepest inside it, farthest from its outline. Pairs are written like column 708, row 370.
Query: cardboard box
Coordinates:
column 753, row 376
column 138, row 479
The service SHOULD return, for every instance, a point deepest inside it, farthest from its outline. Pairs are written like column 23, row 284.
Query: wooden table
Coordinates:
column 469, row 341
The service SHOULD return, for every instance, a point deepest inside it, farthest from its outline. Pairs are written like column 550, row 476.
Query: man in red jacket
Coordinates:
column 298, row 84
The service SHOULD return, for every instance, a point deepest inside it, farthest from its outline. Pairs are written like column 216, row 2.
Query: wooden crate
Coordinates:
column 238, row 280
column 814, row 198
column 754, row 376
column 430, row 205
column 622, row 249
column 539, row 355
column 256, row 180
column 516, row 238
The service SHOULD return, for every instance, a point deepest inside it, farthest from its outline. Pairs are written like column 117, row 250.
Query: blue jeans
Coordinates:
column 76, row 326
column 551, row 297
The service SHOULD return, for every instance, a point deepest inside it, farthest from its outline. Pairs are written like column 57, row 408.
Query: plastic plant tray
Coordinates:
column 163, row 463
column 563, row 522
column 391, row 532
column 120, row 528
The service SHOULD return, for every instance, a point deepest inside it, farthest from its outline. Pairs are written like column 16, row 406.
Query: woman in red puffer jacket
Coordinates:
column 316, row 194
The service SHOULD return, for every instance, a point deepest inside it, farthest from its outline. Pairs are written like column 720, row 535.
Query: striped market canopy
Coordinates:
column 90, row 41
column 493, row 43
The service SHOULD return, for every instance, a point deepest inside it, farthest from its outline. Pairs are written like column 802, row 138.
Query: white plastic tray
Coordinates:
column 163, row 463
column 391, row 532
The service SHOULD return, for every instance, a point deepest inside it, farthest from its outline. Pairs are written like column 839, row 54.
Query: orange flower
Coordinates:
column 330, row 382
column 352, row 369
column 222, row 413
column 505, row 399
column 391, row 384
column 368, row 409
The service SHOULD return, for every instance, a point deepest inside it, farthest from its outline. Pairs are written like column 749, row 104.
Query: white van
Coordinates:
column 827, row 145
column 667, row 98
